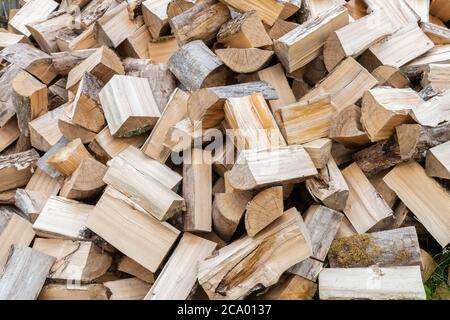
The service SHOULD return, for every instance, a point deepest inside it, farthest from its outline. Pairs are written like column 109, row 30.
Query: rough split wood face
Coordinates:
column 224, row 149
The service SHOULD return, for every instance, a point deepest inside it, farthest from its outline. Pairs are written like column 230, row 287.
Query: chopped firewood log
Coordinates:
column 329, row 186
column 72, row 131
column 127, row 289
column 7, row 108
column 307, row 120
column 68, row 158
column 372, row 283
column 437, row 34
column 57, row 94
column 345, row 229
column 320, row 151
column 409, row 180
column 268, row 10
column 182, row 265
column 16, row 169
column 155, row 17
column 433, row 112
column 308, row 269
column 30, row 202
column 115, row 26
column 84, row 292
column 136, row 44
column 263, row 209
column 201, row 22
column 62, row 218
column 196, row 66
column 440, row 9
column 14, row 230
column 421, row 8
column 32, row 11
column 85, row 40
column 346, row 84
column 94, row 10
column 357, row 9
column 389, row 76
column 176, row 7
column 399, row 12
column 353, row 39
column 346, row 127
column 103, row 64
column 206, row 106
column 437, row 76
column 398, row 49
column 142, row 112
column 311, row 9
column 293, row 165
column 105, row 147
column 428, row 265
column 8, row 38
column 252, row 122
column 303, row 44
column 87, row 111
column 383, row 109
column 86, row 181
column 74, row 260
column 44, row 183
column 227, row 211
column 9, row 133
column 44, row 130
column 365, row 207
column 130, row 230
column 133, row 268
column 280, row 28
column 175, row 111
column 244, row 60
column 24, row 274
column 398, row 247
column 437, row 55
column 127, row 175
column 240, row 268
column 388, row 195
column 290, row 8
column 65, row 61
column 438, row 161
column 244, row 31
column 160, row 51
column 293, row 288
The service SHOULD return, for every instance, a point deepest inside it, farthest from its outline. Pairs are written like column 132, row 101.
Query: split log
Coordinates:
column 421, row 8
column 293, row 288
column 365, row 207
column 268, row 10
column 136, row 44
column 57, row 94
column 142, row 112
column 428, row 265
column 437, row 34
column 84, row 292
column 160, row 51
column 130, row 230
column 16, row 169
column 241, row 267
column 289, row 164
column 346, row 127
column 85, row 40
column 290, row 8
column 8, row 39
column 44, row 165
column 133, row 268
column 44, row 130
column 155, row 17
column 437, row 76
column 329, row 186
column 438, row 161
column 440, row 9
column 70, row 130
column 263, row 209
column 9, row 133
column 69, row 157
column 433, row 112
column 388, row 195
column 437, row 55
column 399, row 12
column 244, row 31
column 389, row 76
column 127, row 289
column 65, row 61
column 24, row 274
column 280, row 28
column 177, row 279
column 30, row 202
column 7, row 108
column 303, row 44
column 311, row 9
column 44, row 183
column 409, row 180
column 308, row 269
column 244, row 60
column 320, row 151
column 195, row 66
column 94, row 10
column 32, row 11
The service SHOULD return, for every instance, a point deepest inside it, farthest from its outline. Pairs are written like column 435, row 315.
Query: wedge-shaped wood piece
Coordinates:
column 280, row 28
column 320, row 151
column 398, row 49
column 44, row 165
column 31, row 59
column 437, row 76
column 228, row 209
column 74, row 260
column 263, row 209
column 45, row 184
column 131, row 230
column 433, row 112
column 160, row 51
column 30, row 98
column 130, row 266
column 438, row 34
column 65, row 61
column 399, row 12
column 440, row 9
column 85, row 40
column 388, row 195
column 371, row 283
column 421, row 8
column 44, row 130
column 196, row 66
column 127, row 289
column 245, row 60
column 8, row 38
column 103, row 64
column 115, row 26
column 25, row 274
column 70, row 130
column 391, row 77
column 290, row 8
column 87, row 111
column 16, row 169
column 268, row 10
column 353, row 39
column 346, row 127
column 177, row 279
column 141, row 112
column 438, row 161
column 383, row 109
column 7, row 108
column 307, row 120
column 244, row 31
column 30, row 202
column 105, row 147
column 86, row 181
column 313, row 8
column 94, row 10
column 136, row 44
column 437, row 55
column 32, row 11
column 252, row 263
column 201, row 22
column 69, row 157
column 365, row 207
column 409, row 180
column 14, row 230
column 398, row 247
column 346, row 84
column 9, row 133
column 62, row 218
column 155, row 16
column 303, row 44
column 252, row 123
column 175, row 111
column 293, row 288
column 287, row 164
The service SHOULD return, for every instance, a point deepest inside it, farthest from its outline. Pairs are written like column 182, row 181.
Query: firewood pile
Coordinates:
column 232, row 149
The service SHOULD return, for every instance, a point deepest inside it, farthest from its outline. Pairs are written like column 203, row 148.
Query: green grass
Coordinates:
column 440, row 276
